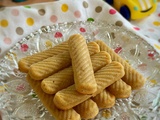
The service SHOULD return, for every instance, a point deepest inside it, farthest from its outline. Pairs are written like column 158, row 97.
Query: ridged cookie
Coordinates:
column 108, row 75
column 51, row 65
column 70, row 97
column 65, row 78
column 100, row 60
column 105, row 99
column 93, row 48
column 47, row 101
column 25, row 63
column 131, row 77
column 87, row 109
column 120, row 89
column 84, row 79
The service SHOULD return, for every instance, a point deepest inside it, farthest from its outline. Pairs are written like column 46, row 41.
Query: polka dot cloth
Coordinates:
column 17, row 22
column 150, row 27
column 4, row 23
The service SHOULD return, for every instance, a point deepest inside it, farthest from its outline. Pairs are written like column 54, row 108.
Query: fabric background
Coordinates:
column 18, row 22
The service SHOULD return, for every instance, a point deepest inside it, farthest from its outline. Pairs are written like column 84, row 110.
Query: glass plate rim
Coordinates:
column 48, row 28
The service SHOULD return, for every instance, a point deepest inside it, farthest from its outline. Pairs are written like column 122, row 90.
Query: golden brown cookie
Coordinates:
column 100, row 60
column 47, row 101
column 93, row 48
column 84, row 79
column 49, row 66
column 64, row 78
column 25, row 63
column 87, row 109
column 105, row 99
column 120, row 89
column 131, row 77
column 58, row 81
column 70, row 97
column 108, row 75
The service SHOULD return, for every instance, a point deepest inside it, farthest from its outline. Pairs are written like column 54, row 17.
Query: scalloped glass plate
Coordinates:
column 19, row 102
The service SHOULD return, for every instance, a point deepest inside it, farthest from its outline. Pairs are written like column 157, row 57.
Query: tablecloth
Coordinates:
column 17, row 22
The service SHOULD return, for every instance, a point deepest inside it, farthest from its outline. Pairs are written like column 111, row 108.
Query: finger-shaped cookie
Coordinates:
column 105, row 99
column 87, row 109
column 93, row 48
column 131, row 77
column 47, row 101
column 120, row 89
column 108, row 75
column 84, row 79
column 100, row 60
column 70, row 97
column 51, row 65
column 25, row 63
column 65, row 78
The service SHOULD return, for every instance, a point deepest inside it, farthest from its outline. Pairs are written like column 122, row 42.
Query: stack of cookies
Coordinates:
column 75, row 79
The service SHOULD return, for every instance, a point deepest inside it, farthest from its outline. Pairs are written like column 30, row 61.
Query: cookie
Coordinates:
column 65, row 78
column 49, row 66
column 58, row 81
column 105, row 99
column 87, row 109
column 100, row 60
column 47, row 101
column 25, row 63
column 70, row 97
column 93, row 48
column 108, row 75
column 131, row 77
column 84, row 79
column 120, row 89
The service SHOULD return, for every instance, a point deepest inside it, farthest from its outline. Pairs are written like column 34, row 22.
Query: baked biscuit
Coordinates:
column 47, row 101
column 84, row 79
column 131, row 77
column 105, row 99
column 108, row 75
column 120, row 89
column 65, row 78
column 70, row 97
column 25, row 63
column 51, row 65
column 93, row 48
column 58, row 81
column 100, row 60
column 87, row 109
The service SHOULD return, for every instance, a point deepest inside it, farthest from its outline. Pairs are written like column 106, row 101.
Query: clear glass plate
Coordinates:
column 19, row 102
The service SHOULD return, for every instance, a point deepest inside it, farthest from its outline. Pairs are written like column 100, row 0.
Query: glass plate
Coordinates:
column 19, row 102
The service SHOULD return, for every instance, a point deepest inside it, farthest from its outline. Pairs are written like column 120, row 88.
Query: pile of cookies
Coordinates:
column 75, row 79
